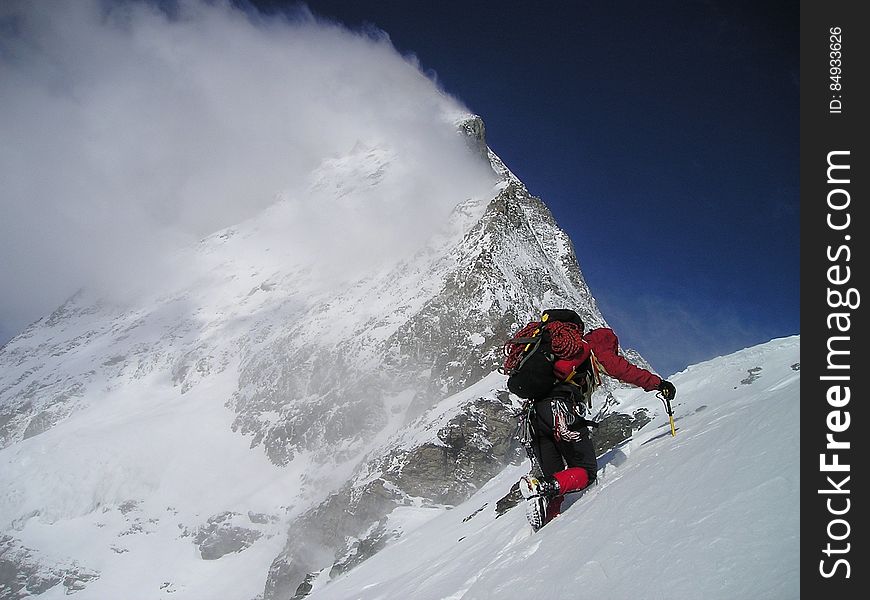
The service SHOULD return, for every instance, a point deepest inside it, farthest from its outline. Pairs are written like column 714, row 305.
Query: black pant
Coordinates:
column 557, row 455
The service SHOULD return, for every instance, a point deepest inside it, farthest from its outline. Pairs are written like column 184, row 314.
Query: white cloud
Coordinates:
column 126, row 133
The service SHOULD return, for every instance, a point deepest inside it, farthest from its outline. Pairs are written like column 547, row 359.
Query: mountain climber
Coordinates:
column 560, row 437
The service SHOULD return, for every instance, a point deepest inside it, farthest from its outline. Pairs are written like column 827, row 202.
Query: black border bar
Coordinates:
column 835, row 109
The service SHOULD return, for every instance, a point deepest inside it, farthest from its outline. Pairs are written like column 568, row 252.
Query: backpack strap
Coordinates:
column 586, row 379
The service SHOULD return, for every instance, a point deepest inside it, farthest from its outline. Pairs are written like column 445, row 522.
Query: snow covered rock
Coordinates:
column 344, row 409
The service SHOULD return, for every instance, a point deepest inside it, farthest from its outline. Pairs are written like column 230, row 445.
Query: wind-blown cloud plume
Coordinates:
column 127, row 132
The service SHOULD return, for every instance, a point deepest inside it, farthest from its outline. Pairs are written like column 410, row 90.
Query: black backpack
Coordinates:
column 529, row 356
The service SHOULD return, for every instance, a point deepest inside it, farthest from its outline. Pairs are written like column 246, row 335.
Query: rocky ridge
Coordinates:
column 512, row 263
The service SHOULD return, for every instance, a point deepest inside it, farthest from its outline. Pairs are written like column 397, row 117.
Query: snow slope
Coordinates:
column 710, row 513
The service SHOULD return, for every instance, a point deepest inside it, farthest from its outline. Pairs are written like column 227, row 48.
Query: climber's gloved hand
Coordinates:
column 667, row 389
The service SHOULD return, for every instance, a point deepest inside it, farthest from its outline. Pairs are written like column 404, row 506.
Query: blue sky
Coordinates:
column 664, row 136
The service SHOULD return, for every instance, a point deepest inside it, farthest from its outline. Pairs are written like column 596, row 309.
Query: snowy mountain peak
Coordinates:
column 292, row 384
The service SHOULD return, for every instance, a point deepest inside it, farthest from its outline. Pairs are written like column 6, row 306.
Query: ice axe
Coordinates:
column 668, row 410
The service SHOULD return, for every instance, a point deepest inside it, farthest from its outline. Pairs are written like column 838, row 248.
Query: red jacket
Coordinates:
column 604, row 346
